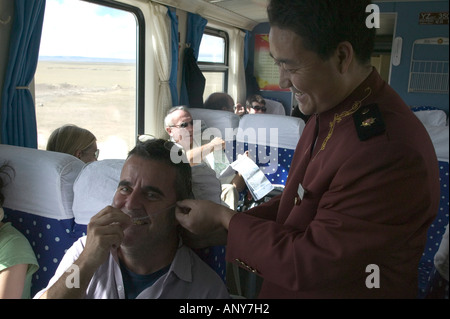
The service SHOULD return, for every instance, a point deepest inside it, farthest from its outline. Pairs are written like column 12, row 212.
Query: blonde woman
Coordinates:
column 74, row 140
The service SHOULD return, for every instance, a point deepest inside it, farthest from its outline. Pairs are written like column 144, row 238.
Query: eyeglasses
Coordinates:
column 259, row 108
column 183, row 124
column 96, row 153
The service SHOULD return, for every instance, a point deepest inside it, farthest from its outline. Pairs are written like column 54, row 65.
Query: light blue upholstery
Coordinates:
column 223, row 124
column 428, row 278
column 38, row 202
column 427, row 270
column 271, row 140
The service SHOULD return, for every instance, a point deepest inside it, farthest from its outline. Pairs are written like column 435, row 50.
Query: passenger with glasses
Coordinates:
column 256, row 104
column 205, row 183
column 178, row 124
column 74, row 140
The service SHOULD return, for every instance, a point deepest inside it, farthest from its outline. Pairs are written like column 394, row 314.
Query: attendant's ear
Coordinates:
column 345, row 55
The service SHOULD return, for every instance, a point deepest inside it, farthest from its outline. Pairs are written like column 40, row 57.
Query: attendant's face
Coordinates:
column 315, row 82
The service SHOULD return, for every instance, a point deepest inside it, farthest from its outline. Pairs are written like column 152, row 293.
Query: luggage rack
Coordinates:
column 426, row 75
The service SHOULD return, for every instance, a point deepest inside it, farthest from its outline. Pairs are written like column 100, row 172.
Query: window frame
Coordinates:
column 140, row 57
column 214, row 66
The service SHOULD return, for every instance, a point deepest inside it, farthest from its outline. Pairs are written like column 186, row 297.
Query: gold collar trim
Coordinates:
column 339, row 117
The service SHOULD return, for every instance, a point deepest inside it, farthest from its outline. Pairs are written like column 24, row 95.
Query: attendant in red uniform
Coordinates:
column 363, row 186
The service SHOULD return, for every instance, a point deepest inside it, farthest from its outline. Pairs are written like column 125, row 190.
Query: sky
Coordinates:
column 79, row 28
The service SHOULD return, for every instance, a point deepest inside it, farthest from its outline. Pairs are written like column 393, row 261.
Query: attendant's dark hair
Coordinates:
column 323, row 24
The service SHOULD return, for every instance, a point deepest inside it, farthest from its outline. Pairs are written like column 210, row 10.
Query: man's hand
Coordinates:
column 216, row 144
column 104, row 231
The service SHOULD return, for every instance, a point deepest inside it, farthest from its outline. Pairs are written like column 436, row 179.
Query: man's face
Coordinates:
column 314, row 82
column 181, row 130
column 147, row 188
column 257, row 108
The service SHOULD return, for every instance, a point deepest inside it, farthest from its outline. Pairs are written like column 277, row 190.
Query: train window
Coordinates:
column 213, row 61
column 87, row 73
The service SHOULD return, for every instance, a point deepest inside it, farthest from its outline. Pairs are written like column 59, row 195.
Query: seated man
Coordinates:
column 256, row 104
column 179, row 125
column 224, row 102
column 132, row 248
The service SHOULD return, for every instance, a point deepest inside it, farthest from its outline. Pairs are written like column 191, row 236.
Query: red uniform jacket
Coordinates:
column 371, row 190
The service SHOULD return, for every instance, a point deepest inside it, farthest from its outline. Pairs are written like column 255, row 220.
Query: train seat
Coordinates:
column 218, row 123
column 38, row 202
column 94, row 189
column 224, row 124
column 271, row 141
column 430, row 116
column 440, row 137
column 274, row 107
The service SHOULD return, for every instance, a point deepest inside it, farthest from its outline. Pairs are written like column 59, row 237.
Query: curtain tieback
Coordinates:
column 22, row 87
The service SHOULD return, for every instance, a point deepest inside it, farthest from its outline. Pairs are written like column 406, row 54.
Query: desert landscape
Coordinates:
column 99, row 96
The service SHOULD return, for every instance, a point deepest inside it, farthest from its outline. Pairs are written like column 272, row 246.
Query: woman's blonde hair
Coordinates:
column 70, row 139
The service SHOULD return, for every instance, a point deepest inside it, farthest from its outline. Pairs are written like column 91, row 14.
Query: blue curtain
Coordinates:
column 174, row 44
column 246, row 48
column 194, row 33
column 17, row 108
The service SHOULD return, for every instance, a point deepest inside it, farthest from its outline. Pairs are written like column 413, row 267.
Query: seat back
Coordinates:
column 274, row 107
column 223, row 124
column 271, row 141
column 38, row 202
column 218, row 123
column 430, row 116
column 440, row 138
column 93, row 190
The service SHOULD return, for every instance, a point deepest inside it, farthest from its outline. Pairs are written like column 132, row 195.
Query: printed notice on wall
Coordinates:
column 433, row 18
column 266, row 72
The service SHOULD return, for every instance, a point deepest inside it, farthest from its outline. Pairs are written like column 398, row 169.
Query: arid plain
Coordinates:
column 99, row 96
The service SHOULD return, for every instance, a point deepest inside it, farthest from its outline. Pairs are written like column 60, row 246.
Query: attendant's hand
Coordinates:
column 206, row 222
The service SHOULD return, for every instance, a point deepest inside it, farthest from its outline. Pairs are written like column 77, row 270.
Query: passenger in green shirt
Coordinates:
column 17, row 259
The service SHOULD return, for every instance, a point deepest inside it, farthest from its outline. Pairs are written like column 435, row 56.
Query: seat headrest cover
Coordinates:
column 274, row 107
column 270, row 130
column 224, row 121
column 432, row 117
column 95, row 187
column 43, row 183
column 439, row 137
